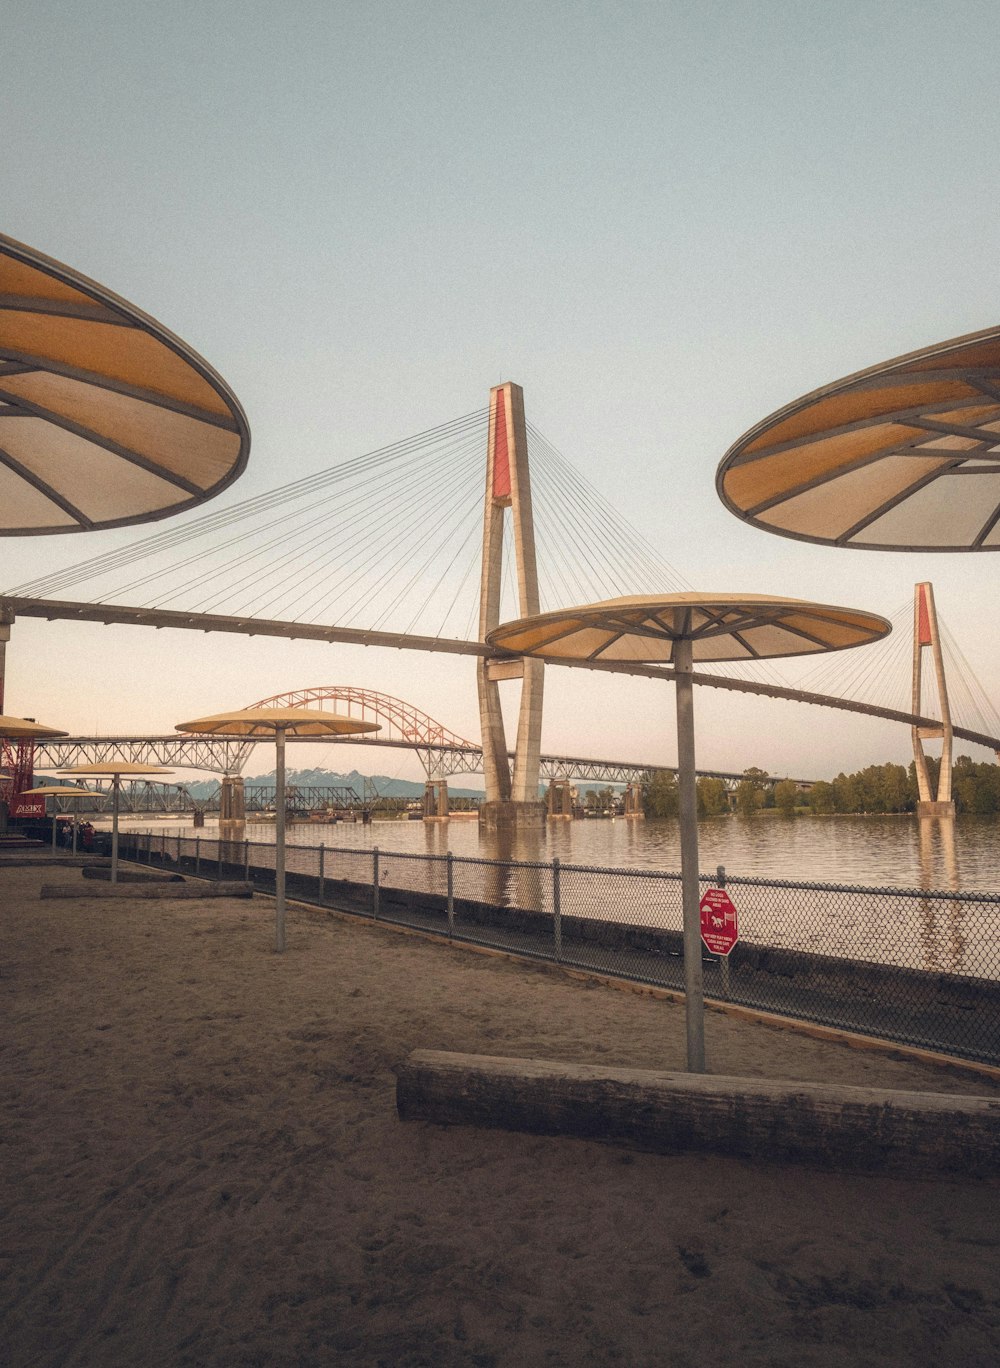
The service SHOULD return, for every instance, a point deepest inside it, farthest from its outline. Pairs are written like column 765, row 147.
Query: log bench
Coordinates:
column 147, row 890
column 666, row 1113
column 30, row 860
column 132, row 876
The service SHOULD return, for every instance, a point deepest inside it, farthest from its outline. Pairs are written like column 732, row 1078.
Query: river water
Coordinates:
column 899, row 852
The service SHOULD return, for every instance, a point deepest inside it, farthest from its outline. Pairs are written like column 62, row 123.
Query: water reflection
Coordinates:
column 942, row 935
column 878, row 851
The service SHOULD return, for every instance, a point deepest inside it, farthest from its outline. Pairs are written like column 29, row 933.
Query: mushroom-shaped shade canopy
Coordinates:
column 21, row 729
column 719, row 626
column 125, row 769
column 106, row 418
column 904, row 456
column 61, row 791
column 265, row 722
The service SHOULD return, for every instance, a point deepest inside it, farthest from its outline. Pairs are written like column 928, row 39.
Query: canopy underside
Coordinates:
column 904, row 457
column 106, row 418
column 722, row 627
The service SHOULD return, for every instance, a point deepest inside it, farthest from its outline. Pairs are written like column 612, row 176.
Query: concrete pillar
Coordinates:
column 559, row 800
column 633, row 800
column 925, row 633
column 436, row 800
column 232, row 808
column 232, row 799
column 511, row 799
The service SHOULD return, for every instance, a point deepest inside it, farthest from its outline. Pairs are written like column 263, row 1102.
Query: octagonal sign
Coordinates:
column 719, row 922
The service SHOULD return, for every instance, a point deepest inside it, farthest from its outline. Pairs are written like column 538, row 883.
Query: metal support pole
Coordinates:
column 451, row 894
column 375, row 890
column 197, row 856
column 55, row 817
column 688, row 814
column 246, row 861
column 322, row 874
column 279, row 842
column 556, row 910
column 115, row 783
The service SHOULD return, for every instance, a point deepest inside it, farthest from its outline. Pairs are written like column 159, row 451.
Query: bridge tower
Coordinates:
column 511, row 799
column 925, row 634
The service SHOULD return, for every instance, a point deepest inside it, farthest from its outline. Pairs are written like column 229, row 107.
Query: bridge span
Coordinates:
column 12, row 606
column 217, row 756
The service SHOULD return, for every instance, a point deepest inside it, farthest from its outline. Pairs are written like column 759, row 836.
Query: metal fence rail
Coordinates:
column 917, row 967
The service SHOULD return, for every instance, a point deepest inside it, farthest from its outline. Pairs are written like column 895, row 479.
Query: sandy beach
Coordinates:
column 202, row 1164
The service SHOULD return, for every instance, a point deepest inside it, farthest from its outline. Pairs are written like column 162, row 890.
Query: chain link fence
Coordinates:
column 917, row 967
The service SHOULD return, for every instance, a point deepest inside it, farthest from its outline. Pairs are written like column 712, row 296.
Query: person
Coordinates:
column 87, row 836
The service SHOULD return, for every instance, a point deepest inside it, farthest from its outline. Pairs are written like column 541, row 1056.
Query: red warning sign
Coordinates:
column 719, row 923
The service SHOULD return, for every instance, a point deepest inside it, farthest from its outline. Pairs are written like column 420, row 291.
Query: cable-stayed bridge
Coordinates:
column 393, row 549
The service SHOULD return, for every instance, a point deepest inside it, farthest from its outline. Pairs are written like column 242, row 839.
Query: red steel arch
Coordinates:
column 400, row 721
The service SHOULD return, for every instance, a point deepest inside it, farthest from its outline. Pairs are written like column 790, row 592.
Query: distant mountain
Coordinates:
column 324, row 778
column 384, row 786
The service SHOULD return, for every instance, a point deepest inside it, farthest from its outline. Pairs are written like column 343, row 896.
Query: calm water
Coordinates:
column 896, row 851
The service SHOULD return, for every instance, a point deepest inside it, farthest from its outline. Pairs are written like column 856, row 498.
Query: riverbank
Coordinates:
column 204, row 1166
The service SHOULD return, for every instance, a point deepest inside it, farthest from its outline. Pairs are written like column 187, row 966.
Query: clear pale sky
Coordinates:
column 664, row 220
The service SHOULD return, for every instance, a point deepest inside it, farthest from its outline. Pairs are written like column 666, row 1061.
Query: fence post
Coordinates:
column 720, row 879
column 451, row 894
column 556, row 910
column 375, row 883
column 322, row 875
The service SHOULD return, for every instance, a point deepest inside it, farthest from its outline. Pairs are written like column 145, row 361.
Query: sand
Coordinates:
column 202, row 1164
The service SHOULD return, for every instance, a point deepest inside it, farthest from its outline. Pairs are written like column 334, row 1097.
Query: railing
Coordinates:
column 919, row 968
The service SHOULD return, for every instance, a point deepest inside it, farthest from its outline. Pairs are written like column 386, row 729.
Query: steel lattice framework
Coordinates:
column 214, row 755
column 183, row 752
column 400, row 721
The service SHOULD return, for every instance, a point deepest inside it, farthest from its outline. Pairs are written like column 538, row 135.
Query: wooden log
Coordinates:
column 666, row 1113
column 132, row 875
column 147, row 890
column 49, row 860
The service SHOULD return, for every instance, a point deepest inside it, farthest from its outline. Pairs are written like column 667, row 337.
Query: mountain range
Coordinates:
column 384, row 786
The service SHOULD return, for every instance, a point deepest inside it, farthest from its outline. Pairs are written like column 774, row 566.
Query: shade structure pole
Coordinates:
column 279, row 841
column 688, row 814
column 115, row 786
column 55, row 814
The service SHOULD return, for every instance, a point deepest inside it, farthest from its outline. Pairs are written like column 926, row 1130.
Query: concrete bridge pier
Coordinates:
column 633, row 801
column 232, row 808
column 560, row 800
column 436, row 800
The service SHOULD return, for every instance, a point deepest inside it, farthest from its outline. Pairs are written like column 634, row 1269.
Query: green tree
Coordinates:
column 895, row 789
column 712, row 798
column 820, row 797
column 659, row 795
column 747, row 798
column 845, row 794
column 752, row 790
column 786, row 796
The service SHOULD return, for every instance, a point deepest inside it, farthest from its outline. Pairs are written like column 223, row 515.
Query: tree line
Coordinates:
column 885, row 788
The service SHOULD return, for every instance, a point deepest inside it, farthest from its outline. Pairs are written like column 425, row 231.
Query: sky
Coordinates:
column 663, row 220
